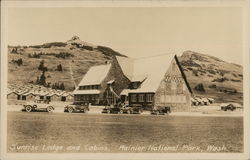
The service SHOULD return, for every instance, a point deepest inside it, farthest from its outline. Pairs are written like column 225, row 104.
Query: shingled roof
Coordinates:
column 150, row 70
column 154, row 69
column 95, row 75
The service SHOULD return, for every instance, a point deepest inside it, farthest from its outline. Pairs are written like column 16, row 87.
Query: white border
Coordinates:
column 246, row 59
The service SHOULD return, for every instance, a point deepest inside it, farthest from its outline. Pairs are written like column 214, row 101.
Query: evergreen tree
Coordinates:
column 200, row 87
column 41, row 66
column 43, row 79
column 38, row 80
column 62, row 86
column 59, row 67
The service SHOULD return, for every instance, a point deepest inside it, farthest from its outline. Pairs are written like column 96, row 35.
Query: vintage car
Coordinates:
column 194, row 102
column 211, row 100
column 78, row 106
column 111, row 109
column 205, row 101
column 199, row 100
column 134, row 109
column 159, row 110
column 228, row 106
column 38, row 106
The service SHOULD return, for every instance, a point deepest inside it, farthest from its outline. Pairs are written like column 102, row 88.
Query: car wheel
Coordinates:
column 49, row 109
column 85, row 110
column 108, row 111
column 129, row 112
column 70, row 109
column 28, row 108
column 157, row 112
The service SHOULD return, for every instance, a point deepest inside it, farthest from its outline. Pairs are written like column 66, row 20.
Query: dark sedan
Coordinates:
column 161, row 111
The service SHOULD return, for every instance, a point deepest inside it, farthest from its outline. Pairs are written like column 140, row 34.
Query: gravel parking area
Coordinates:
column 78, row 133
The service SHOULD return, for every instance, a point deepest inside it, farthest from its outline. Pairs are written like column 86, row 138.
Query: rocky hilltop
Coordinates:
column 67, row 62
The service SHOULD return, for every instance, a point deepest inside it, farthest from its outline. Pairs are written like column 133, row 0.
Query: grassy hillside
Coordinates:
column 221, row 80
column 73, row 54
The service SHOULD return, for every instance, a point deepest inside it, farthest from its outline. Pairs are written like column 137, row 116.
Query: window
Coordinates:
column 173, row 85
column 149, row 97
column 23, row 97
column 168, row 99
column 162, row 98
column 81, row 98
column 183, row 99
column 163, row 85
column 77, row 97
column 96, row 96
column 135, row 85
column 141, row 98
column 175, row 99
column 48, row 98
column 133, row 97
column 63, row 99
column 183, row 87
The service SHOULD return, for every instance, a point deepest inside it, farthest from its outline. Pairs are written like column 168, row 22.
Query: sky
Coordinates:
column 135, row 32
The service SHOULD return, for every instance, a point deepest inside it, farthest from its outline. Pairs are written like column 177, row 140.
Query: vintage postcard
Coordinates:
column 125, row 80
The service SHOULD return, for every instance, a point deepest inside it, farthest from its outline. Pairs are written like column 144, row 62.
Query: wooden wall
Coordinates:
column 173, row 91
column 115, row 73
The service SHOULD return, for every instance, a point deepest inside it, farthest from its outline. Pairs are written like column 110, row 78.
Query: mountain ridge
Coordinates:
column 221, row 80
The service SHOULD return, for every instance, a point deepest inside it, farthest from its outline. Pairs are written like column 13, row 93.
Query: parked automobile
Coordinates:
column 199, row 100
column 136, row 109
column 211, row 100
column 79, row 106
column 194, row 102
column 111, row 109
column 161, row 110
column 38, row 106
column 228, row 106
column 205, row 101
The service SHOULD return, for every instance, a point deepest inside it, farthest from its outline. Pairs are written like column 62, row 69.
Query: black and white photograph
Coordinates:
column 142, row 79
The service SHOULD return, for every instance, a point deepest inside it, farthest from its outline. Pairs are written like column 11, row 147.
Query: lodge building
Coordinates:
column 149, row 82
column 102, row 84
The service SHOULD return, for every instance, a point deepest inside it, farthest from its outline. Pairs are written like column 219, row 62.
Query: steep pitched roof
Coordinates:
column 183, row 75
column 95, row 75
column 127, row 66
column 154, row 69
column 150, row 70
